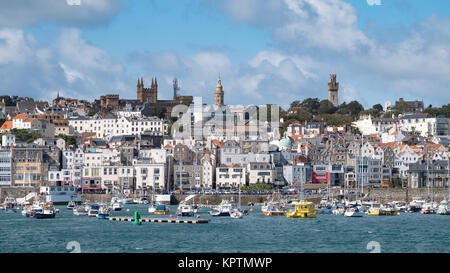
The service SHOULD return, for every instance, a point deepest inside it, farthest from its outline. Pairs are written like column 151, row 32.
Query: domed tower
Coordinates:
column 218, row 95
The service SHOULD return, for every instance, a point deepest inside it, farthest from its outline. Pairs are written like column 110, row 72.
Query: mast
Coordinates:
column 428, row 178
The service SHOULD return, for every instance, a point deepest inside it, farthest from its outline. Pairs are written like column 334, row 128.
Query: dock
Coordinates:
column 162, row 220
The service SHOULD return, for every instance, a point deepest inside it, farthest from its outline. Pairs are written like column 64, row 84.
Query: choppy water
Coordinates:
column 254, row 233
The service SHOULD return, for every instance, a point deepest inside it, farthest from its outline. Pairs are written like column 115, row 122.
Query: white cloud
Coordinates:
column 19, row 13
column 69, row 65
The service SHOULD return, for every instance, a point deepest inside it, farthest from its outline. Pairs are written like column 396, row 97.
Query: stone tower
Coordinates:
column 218, row 95
column 147, row 95
column 333, row 87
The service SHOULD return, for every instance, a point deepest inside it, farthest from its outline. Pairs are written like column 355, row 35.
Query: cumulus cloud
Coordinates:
column 69, row 65
column 20, row 13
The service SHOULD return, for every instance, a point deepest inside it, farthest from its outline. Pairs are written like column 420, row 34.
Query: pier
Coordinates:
column 162, row 220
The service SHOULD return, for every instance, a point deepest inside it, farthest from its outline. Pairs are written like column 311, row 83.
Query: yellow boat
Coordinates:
column 378, row 209
column 303, row 210
column 161, row 209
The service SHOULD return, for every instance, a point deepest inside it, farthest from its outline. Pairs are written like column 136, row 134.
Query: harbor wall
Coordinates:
column 379, row 194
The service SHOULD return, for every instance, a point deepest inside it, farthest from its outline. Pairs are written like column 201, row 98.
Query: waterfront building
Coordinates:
column 229, row 177
column 5, row 167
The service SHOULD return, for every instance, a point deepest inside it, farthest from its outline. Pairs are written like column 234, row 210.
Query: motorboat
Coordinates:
column 378, row 209
column 161, row 209
column 41, row 210
column 223, row 209
column 353, row 211
column 80, row 210
column 415, row 205
column 444, row 207
column 116, row 206
column 399, row 205
column 236, row 214
column 93, row 210
column 185, row 210
column 273, row 209
column 103, row 212
column 339, row 209
column 302, row 210
column 127, row 201
column 152, row 207
column 10, row 204
column 71, row 205
column 429, row 208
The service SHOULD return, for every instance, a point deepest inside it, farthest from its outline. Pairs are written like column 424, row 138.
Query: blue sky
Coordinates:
column 266, row 51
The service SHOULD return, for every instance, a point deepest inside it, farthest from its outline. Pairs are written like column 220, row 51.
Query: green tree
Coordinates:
column 326, row 107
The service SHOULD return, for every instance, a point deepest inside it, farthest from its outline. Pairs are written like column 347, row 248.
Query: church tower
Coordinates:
column 333, row 87
column 218, row 95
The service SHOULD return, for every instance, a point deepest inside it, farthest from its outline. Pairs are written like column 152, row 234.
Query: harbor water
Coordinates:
column 405, row 233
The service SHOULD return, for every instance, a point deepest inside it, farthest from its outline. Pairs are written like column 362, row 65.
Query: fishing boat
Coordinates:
column 41, row 210
column 161, row 209
column 185, row 210
column 93, row 210
column 302, row 210
column 80, row 210
column 223, row 209
column 103, row 212
column 10, row 205
column 71, row 205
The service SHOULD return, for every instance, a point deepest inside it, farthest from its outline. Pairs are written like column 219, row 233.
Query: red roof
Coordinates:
column 7, row 125
column 20, row 116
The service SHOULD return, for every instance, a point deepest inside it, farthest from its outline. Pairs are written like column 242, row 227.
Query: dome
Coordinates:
column 286, row 142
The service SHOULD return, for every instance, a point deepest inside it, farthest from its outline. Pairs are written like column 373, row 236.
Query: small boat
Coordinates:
column 429, row 208
column 93, row 210
column 80, row 210
column 152, row 207
column 273, row 209
column 116, row 206
column 185, row 210
column 161, row 209
column 236, row 214
column 41, row 211
column 127, row 201
column 338, row 210
column 399, row 205
column 71, row 205
column 444, row 208
column 103, row 212
column 141, row 200
column 378, row 209
column 10, row 205
column 302, row 210
column 415, row 205
column 223, row 209
column 353, row 212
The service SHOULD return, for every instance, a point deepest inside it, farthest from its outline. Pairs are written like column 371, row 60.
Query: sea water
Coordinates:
column 405, row 233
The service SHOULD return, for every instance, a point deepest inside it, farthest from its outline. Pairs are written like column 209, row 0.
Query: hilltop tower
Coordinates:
column 333, row 88
column 219, row 94
column 147, row 95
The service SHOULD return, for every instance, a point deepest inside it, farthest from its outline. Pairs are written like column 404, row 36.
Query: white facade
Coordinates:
column 5, row 167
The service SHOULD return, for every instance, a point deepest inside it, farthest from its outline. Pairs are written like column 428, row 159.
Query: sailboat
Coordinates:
column 444, row 206
column 352, row 210
column 430, row 207
column 237, row 213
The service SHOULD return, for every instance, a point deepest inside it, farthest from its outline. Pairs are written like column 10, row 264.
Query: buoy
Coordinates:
column 198, row 216
column 171, row 216
column 136, row 218
column 251, row 209
column 128, row 209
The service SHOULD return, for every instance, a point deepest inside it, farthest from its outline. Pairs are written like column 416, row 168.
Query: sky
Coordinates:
column 265, row 51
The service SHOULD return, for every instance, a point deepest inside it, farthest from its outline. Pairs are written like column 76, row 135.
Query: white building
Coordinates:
column 231, row 176
column 5, row 167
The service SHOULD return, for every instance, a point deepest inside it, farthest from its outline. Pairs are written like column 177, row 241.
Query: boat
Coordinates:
column 339, row 209
column 302, row 210
column 127, row 201
column 116, row 206
column 93, row 210
column 415, row 205
column 378, row 209
column 161, row 209
column 10, row 205
column 71, row 205
column 429, row 208
column 142, row 200
column 80, row 210
column 152, row 207
column 41, row 210
column 353, row 211
column 185, row 210
column 103, row 212
column 444, row 208
column 273, row 209
column 223, row 209
column 60, row 195
column 399, row 205
column 325, row 207
column 236, row 214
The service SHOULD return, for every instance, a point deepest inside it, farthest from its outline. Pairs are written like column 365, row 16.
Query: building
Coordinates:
column 260, row 173
column 300, row 173
column 413, row 106
column 5, row 167
column 333, row 88
column 28, row 167
column 230, row 177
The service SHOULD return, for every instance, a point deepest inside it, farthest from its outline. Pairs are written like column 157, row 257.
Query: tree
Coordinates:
column 311, row 105
column 378, row 108
column 326, row 107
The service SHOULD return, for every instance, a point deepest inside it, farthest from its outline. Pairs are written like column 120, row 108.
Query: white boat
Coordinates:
column 444, row 208
column 126, row 201
column 223, row 209
column 71, row 205
column 399, row 205
column 353, row 212
column 103, row 212
column 80, row 210
column 236, row 214
column 93, row 210
column 429, row 208
column 10, row 204
column 185, row 210
column 60, row 195
column 116, row 206
column 41, row 210
column 416, row 204
column 339, row 210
